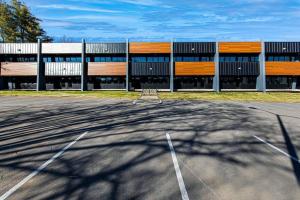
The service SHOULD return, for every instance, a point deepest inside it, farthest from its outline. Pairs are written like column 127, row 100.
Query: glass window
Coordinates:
column 287, row 58
column 178, row 59
column 59, row 59
column 271, row 58
column 245, row 59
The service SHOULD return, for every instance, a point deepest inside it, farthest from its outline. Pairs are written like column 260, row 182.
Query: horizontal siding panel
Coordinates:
column 63, row 69
column 283, row 68
column 62, row 48
column 194, row 68
column 282, row 47
column 240, row 47
column 239, row 68
column 106, row 48
column 149, row 47
column 194, row 47
column 150, row 69
column 18, row 69
column 107, row 69
column 18, row 48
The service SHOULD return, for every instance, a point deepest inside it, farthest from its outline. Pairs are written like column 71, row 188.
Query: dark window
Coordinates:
column 243, row 82
column 205, row 82
column 238, row 58
column 150, row 59
column 283, row 58
column 19, row 58
column 282, row 82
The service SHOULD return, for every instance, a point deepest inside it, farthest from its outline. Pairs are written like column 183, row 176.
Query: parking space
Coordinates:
column 118, row 150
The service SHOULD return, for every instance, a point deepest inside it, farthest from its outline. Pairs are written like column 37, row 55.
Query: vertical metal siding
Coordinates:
column 150, row 69
column 112, row 48
column 61, row 48
column 239, row 68
column 282, row 47
column 18, row 48
column 63, row 69
column 199, row 47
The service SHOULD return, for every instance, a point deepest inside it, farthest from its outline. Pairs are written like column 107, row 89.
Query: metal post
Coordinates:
column 1, row 83
column 172, row 67
column 261, row 80
column 216, row 81
column 1, row 80
column 83, row 68
column 294, row 84
column 127, row 65
column 41, row 85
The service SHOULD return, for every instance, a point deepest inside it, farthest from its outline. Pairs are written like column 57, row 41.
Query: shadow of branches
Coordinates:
column 125, row 143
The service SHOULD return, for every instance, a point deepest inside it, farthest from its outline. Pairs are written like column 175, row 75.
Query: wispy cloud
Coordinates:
column 205, row 19
column 76, row 8
column 142, row 2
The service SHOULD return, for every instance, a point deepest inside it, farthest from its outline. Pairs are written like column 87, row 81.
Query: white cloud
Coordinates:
column 76, row 8
column 141, row 2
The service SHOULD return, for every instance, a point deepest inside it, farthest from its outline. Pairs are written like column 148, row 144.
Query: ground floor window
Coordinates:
column 238, row 82
column 106, row 82
column 19, row 83
column 63, row 83
column 283, row 82
column 203, row 82
column 161, row 82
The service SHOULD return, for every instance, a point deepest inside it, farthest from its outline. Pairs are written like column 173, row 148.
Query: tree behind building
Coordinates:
column 17, row 23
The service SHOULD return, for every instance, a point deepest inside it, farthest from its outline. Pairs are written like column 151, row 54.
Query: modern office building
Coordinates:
column 170, row 66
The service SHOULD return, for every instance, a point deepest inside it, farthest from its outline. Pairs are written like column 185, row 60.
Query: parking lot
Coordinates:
column 77, row 148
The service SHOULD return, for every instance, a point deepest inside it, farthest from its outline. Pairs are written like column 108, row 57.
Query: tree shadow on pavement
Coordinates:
column 118, row 157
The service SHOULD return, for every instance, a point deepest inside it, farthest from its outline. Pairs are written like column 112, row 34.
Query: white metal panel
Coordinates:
column 61, row 48
column 18, row 48
column 63, row 69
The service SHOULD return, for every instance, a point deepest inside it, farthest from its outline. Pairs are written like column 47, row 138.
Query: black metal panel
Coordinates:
column 106, row 48
column 194, row 47
column 239, row 68
column 150, row 69
column 282, row 47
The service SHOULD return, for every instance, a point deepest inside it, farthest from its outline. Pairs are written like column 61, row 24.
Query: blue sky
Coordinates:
column 165, row 19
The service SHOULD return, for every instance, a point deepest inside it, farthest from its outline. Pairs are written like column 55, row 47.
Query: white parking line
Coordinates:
column 183, row 191
column 34, row 173
column 277, row 149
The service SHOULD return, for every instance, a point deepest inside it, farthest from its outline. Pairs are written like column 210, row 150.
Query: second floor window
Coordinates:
column 150, row 59
column 283, row 58
column 193, row 58
column 239, row 59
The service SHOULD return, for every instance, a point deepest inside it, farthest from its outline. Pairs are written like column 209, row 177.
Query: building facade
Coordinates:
column 170, row 66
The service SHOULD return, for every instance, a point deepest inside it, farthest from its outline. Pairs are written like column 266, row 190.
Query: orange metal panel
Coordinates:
column 107, row 68
column 240, row 47
column 150, row 47
column 194, row 68
column 18, row 69
column 282, row 68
